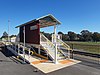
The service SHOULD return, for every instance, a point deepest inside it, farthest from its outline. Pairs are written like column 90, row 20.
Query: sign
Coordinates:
column 33, row 27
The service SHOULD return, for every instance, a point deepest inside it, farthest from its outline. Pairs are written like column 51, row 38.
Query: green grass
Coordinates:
column 92, row 47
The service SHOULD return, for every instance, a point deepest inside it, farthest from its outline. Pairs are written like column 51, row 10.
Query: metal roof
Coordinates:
column 45, row 21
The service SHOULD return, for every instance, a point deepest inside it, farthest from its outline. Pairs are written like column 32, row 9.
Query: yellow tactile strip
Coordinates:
column 65, row 61
column 39, row 61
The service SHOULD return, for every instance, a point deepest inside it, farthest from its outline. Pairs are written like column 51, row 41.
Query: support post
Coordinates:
column 29, row 54
column 39, row 49
column 18, row 49
column 52, row 39
column 40, row 38
column 15, row 46
column 8, row 32
column 68, row 54
column 55, row 44
column 24, row 45
column 18, row 41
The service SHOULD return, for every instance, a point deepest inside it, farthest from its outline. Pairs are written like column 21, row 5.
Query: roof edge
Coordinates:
column 58, row 22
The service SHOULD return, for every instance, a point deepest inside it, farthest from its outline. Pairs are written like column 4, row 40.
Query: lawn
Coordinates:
column 92, row 47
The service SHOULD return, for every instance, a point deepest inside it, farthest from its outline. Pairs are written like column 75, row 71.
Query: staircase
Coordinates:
column 63, row 50
column 62, row 46
column 50, row 48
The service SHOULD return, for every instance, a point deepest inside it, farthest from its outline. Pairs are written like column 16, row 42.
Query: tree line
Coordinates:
column 85, row 35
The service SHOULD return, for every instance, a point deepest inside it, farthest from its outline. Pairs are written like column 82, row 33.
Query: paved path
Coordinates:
column 9, row 67
column 78, row 69
column 86, row 67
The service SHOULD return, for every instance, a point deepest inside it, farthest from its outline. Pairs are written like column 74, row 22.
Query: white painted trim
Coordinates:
column 24, row 45
column 55, row 42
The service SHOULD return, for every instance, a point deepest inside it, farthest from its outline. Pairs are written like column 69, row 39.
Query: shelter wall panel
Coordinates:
column 31, row 36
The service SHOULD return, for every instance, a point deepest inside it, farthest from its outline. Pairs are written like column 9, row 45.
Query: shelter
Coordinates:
column 32, row 28
column 29, row 33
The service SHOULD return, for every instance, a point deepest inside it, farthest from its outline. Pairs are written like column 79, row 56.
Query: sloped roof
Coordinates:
column 45, row 21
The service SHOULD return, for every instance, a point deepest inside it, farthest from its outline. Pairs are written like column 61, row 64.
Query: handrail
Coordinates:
column 26, row 49
column 48, row 41
column 63, row 43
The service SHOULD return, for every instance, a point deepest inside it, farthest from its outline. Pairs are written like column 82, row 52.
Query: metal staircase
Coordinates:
column 50, row 48
column 62, row 46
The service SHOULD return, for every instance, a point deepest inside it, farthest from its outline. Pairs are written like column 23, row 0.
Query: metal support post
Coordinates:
column 39, row 49
column 24, row 53
column 55, row 41
column 18, row 49
column 15, row 47
column 52, row 39
column 68, row 54
column 29, row 54
column 24, row 45
column 8, row 31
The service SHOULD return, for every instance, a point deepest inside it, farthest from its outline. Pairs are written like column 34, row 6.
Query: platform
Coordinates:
column 48, row 67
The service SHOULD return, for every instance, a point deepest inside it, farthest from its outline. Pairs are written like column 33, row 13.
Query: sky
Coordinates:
column 74, row 15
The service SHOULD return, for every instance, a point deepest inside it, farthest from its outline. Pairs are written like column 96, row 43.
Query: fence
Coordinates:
column 86, row 52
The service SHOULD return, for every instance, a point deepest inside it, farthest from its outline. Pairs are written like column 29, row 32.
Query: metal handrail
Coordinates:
column 63, row 43
column 48, row 41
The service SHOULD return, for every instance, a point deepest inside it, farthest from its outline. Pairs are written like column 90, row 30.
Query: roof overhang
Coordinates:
column 45, row 21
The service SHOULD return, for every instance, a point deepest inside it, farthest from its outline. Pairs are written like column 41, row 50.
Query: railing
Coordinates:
column 27, row 48
column 64, row 44
column 48, row 42
column 44, row 40
column 61, row 42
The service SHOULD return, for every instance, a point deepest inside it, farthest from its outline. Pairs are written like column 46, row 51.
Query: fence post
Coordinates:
column 72, row 51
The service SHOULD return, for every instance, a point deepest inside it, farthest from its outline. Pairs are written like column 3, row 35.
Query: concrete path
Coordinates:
column 9, row 67
column 77, row 69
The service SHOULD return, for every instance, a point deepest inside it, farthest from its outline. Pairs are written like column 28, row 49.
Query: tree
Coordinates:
column 72, row 36
column 60, row 32
column 48, row 35
column 79, row 37
column 5, row 34
column 12, row 36
column 96, row 36
column 65, row 37
column 86, row 35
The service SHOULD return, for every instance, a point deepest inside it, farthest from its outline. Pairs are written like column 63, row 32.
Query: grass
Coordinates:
column 91, row 47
